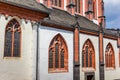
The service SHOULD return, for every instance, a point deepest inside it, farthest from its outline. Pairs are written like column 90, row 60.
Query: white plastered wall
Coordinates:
column 46, row 34
column 112, row 74
column 94, row 40
column 21, row 68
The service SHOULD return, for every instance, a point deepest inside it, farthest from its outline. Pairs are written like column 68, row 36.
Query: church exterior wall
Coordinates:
column 112, row 74
column 17, row 68
column 46, row 34
column 95, row 41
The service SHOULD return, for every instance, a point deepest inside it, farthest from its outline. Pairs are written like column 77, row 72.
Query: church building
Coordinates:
column 57, row 40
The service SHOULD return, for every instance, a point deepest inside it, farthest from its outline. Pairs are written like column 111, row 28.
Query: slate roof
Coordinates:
column 113, row 31
column 87, row 24
column 29, row 4
column 61, row 17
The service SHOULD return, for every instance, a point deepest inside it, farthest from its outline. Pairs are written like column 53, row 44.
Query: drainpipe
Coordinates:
column 101, row 53
column 37, row 51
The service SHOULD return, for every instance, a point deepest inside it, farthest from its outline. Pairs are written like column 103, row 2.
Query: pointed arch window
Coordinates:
column 88, row 55
column 12, row 39
column 58, row 55
column 109, row 56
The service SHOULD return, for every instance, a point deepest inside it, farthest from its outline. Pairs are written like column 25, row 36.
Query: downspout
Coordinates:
column 37, row 51
column 101, row 54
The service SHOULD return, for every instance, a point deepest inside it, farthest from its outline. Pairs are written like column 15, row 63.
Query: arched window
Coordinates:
column 88, row 55
column 12, row 39
column 58, row 3
column 58, row 55
column 109, row 56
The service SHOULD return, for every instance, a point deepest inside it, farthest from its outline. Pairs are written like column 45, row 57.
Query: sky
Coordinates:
column 112, row 13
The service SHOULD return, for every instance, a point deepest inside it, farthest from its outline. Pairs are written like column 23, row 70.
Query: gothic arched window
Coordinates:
column 109, row 56
column 88, row 55
column 58, row 55
column 12, row 39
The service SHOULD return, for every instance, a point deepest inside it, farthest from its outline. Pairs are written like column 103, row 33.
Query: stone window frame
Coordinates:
column 91, row 51
column 58, row 39
column 109, row 56
column 14, row 23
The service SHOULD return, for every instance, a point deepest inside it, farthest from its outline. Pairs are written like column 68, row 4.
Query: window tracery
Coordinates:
column 109, row 56
column 12, row 39
column 88, row 55
column 58, row 55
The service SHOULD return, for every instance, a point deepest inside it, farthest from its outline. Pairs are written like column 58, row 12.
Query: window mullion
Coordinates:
column 59, row 57
column 12, row 42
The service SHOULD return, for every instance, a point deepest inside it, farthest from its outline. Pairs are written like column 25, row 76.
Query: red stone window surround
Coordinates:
column 58, row 55
column 88, row 56
column 109, row 56
column 54, row 3
column 12, row 39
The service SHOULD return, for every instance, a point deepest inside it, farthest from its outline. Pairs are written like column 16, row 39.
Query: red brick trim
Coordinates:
column 12, row 10
column 76, row 45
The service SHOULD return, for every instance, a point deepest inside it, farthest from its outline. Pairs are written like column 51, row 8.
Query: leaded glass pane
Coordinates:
column 86, row 56
column 62, row 59
column 82, row 59
column 50, row 59
column 90, row 59
column 8, row 44
column 16, row 44
column 56, row 56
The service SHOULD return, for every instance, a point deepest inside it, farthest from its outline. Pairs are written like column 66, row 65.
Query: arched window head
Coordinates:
column 58, row 55
column 109, row 56
column 12, row 39
column 88, row 55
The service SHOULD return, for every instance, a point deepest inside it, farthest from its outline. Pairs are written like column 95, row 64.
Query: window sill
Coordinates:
column 11, row 58
column 57, row 70
column 110, row 68
column 90, row 69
